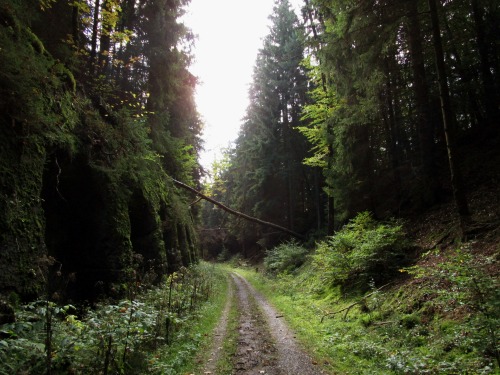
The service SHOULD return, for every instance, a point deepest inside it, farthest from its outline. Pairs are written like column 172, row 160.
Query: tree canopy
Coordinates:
column 379, row 109
column 389, row 95
column 354, row 106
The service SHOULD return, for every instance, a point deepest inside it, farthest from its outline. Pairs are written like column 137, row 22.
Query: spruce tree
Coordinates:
column 271, row 183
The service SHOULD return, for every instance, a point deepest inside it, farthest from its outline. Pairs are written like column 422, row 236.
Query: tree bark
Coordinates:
column 425, row 129
column 330, row 225
column 391, row 131
column 331, row 216
column 127, row 19
column 104, row 44
column 317, row 198
column 75, row 25
column 490, row 95
column 95, row 30
column 448, row 121
column 466, row 76
column 239, row 214
column 287, row 140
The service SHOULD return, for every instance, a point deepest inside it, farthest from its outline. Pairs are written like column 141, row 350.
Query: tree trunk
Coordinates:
column 287, row 144
column 448, row 121
column 104, row 45
column 127, row 19
column 331, row 216
column 75, row 25
column 425, row 129
column 93, row 43
column 490, row 94
column 239, row 214
column 317, row 198
column 391, row 131
column 330, row 230
column 466, row 76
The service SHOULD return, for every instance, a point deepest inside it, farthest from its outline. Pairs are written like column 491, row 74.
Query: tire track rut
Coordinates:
column 265, row 344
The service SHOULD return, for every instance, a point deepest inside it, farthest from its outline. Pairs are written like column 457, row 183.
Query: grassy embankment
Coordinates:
column 437, row 316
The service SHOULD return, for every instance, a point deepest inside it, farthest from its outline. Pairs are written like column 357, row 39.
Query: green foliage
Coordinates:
column 61, row 121
column 38, row 115
column 462, row 284
column 285, row 258
column 111, row 338
column 372, row 84
column 361, row 251
column 442, row 322
column 319, row 117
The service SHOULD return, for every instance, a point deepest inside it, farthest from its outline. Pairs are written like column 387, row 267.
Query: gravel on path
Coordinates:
column 290, row 358
column 265, row 344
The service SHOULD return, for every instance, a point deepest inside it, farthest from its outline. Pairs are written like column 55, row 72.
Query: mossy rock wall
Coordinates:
column 87, row 227
column 22, row 246
column 76, row 220
column 106, row 231
column 178, row 232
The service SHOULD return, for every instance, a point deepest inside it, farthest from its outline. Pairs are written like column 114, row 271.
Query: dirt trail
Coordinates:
column 265, row 345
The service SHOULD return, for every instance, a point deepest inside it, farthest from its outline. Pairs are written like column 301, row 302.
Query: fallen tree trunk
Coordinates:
column 237, row 213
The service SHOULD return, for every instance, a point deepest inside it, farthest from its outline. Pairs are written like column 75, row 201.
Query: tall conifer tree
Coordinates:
column 376, row 123
column 272, row 183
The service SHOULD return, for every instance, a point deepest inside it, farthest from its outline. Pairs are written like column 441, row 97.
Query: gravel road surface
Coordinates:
column 265, row 344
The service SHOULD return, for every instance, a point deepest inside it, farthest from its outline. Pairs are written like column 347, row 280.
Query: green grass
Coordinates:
column 402, row 329
column 225, row 364
column 441, row 320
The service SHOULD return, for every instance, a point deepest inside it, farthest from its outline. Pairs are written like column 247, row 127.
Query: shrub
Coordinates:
column 362, row 251
column 466, row 282
column 409, row 320
column 285, row 258
column 118, row 338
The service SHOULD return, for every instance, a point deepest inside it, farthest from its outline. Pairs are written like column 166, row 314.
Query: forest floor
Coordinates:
column 265, row 345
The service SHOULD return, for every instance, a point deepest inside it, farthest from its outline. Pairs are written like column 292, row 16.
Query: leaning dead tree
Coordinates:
column 237, row 213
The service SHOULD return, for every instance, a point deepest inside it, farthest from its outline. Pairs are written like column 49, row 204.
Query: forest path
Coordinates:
column 265, row 344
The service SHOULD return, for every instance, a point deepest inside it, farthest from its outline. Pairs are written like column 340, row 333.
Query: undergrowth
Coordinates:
column 364, row 250
column 158, row 330
column 440, row 317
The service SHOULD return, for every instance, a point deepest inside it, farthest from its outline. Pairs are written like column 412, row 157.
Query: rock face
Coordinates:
column 83, row 224
column 70, row 217
column 84, row 207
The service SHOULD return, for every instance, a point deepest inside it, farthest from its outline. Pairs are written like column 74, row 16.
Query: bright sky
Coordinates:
column 230, row 33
